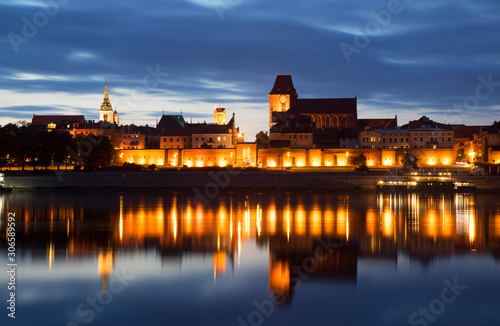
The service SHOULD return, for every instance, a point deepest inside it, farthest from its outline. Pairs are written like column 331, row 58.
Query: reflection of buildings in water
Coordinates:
column 307, row 259
column 424, row 226
column 104, row 267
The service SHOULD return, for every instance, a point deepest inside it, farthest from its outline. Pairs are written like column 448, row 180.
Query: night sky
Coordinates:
column 410, row 58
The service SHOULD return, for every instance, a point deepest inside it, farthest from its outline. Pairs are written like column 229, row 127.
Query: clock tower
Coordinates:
column 280, row 97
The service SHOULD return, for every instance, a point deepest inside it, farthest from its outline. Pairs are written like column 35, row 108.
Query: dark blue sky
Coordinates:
column 409, row 58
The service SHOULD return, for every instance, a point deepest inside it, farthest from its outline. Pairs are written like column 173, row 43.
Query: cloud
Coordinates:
column 427, row 59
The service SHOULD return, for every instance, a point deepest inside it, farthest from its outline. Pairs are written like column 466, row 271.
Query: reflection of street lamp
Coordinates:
column 347, row 158
column 231, row 158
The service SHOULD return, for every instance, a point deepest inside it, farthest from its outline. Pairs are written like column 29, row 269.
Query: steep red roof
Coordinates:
column 283, row 85
column 468, row 131
column 378, row 123
column 324, row 105
column 39, row 120
column 211, row 129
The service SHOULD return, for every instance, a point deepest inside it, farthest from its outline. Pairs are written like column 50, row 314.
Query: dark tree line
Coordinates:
column 24, row 145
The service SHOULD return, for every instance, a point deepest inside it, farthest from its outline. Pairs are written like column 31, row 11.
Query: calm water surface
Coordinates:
column 253, row 259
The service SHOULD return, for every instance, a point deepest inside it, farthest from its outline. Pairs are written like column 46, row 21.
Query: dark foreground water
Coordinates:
column 252, row 259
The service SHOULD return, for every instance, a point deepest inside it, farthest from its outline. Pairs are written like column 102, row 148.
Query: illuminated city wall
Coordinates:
column 142, row 156
column 432, row 157
column 494, row 157
column 246, row 154
column 208, row 157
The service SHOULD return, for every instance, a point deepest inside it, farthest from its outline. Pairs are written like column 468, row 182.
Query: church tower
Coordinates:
column 280, row 97
column 220, row 116
column 106, row 113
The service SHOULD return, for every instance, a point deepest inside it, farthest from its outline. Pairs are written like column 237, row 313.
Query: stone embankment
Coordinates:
column 228, row 180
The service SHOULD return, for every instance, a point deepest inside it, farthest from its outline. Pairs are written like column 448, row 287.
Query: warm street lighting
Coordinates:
column 471, row 155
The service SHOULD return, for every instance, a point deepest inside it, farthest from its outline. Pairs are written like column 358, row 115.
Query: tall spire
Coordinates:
column 106, row 104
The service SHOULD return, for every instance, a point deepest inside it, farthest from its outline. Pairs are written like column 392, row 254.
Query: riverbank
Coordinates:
column 214, row 181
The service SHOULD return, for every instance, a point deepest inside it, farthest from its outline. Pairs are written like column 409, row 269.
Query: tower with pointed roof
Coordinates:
column 281, row 96
column 106, row 113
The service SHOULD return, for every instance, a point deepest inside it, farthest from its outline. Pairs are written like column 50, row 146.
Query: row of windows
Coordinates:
column 295, row 136
column 210, row 139
column 435, row 133
column 172, row 140
column 374, row 139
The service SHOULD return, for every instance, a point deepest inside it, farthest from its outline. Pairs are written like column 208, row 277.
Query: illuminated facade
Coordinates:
column 141, row 157
column 432, row 138
column 220, row 116
column 246, row 154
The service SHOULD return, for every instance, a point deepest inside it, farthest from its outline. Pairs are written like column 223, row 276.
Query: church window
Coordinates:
column 343, row 122
column 196, row 138
column 177, row 139
column 171, row 139
column 164, row 140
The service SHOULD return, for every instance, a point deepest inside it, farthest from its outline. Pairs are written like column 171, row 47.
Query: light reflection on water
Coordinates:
column 242, row 248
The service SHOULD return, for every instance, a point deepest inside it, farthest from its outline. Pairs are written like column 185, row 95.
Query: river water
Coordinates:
column 161, row 258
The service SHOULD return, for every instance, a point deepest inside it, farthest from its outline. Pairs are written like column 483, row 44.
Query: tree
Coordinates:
column 205, row 146
column 7, row 142
column 95, row 154
column 60, row 142
column 358, row 160
column 25, row 145
column 262, row 139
